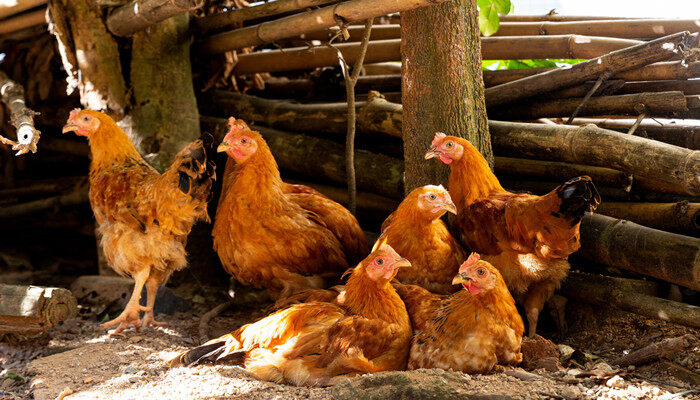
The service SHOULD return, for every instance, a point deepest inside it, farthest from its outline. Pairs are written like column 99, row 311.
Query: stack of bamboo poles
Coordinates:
column 543, row 126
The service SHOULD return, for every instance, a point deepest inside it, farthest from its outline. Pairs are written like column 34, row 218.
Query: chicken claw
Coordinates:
column 128, row 317
column 148, row 319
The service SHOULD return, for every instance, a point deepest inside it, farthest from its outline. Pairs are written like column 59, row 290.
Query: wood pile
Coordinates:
column 619, row 100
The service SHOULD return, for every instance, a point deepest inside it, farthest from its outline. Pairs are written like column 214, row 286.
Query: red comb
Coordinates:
column 473, row 258
column 236, row 125
column 74, row 112
column 438, row 137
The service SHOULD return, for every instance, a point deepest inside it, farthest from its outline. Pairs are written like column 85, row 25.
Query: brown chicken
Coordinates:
column 269, row 234
column 469, row 331
column 528, row 238
column 416, row 231
column 314, row 343
column 144, row 217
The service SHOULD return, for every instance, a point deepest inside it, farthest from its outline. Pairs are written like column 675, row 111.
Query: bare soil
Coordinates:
column 81, row 360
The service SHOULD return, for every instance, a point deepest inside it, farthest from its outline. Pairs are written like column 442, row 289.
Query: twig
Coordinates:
column 204, row 321
column 20, row 116
column 603, row 77
column 634, row 126
column 657, row 350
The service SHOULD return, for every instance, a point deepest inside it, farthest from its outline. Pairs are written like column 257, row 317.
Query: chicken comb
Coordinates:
column 438, row 137
column 473, row 258
column 236, row 125
column 74, row 112
column 381, row 241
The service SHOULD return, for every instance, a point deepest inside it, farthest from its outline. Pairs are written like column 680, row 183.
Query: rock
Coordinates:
column 550, row 364
column 565, row 352
column 129, row 369
column 113, row 292
column 537, row 348
column 602, row 368
column 574, row 372
column 615, row 382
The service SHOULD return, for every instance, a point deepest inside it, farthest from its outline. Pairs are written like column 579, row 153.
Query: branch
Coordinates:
column 20, row 116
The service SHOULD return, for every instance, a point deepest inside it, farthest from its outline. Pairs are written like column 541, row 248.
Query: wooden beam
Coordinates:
column 297, row 24
column 628, row 28
column 22, row 21
column 553, row 16
column 681, row 217
column 138, row 15
column 609, row 64
column 34, row 309
column 18, row 7
column 678, row 134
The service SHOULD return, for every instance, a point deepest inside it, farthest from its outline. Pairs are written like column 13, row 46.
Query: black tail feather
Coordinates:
column 196, row 170
column 578, row 196
column 212, row 351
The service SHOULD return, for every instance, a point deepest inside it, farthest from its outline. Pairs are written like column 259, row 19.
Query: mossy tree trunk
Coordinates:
column 442, row 85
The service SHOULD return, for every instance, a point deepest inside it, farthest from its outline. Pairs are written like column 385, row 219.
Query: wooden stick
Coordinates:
column 624, row 244
column 682, row 217
column 71, row 199
column 654, row 351
column 206, row 319
column 298, row 58
column 677, row 134
column 591, row 145
column 18, row 7
column 688, row 87
column 616, row 61
column 553, row 16
column 381, row 32
column 22, row 21
column 298, row 24
column 34, row 309
column 603, row 77
column 138, row 15
column 657, row 71
column 240, row 15
column 609, row 291
column 628, row 28
column 660, row 104
column 21, row 116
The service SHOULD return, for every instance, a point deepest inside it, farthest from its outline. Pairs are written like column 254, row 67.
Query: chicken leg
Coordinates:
column 131, row 313
column 534, row 301
column 152, row 284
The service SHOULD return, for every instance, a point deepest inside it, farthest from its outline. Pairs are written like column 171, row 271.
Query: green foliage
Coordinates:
column 488, row 14
column 13, row 376
column 524, row 64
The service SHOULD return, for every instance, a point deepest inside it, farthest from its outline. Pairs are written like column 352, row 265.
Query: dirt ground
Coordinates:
column 79, row 359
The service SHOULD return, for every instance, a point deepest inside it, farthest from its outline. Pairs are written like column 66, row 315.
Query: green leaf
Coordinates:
column 488, row 20
column 503, row 6
column 13, row 376
column 105, row 318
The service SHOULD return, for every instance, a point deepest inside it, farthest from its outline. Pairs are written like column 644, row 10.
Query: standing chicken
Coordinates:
column 144, row 217
column 469, row 331
column 416, row 231
column 312, row 343
column 268, row 234
column 528, row 238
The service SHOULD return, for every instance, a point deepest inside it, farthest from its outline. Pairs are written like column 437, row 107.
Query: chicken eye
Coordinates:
column 480, row 271
column 449, row 145
column 244, row 141
column 380, row 261
column 85, row 118
column 432, row 196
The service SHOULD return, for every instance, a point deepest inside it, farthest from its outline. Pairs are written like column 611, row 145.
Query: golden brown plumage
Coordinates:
column 269, row 234
column 416, row 231
column 143, row 217
column 471, row 330
column 528, row 238
column 313, row 344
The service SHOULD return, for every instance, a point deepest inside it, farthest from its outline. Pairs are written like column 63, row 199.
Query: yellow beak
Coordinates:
column 431, row 154
column 69, row 128
column 401, row 263
column 459, row 279
column 223, row 147
column 450, row 207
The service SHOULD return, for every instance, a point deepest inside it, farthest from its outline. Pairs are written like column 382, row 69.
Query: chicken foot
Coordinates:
column 152, row 285
column 130, row 315
column 534, row 300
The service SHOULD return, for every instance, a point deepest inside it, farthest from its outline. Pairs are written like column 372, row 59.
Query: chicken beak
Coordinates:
column 450, row 207
column 432, row 154
column 401, row 263
column 460, row 279
column 223, row 147
column 69, row 128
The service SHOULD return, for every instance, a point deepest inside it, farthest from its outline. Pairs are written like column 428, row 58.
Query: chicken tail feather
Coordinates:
column 209, row 351
column 578, row 196
column 194, row 168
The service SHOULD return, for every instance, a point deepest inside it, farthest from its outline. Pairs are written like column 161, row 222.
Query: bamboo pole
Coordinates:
column 607, row 291
column 390, row 50
column 553, row 16
column 239, row 15
column 657, row 71
column 662, row 104
column 681, row 217
column 22, row 21
column 138, row 15
column 688, row 87
column 380, row 32
column 591, row 145
column 623, row 244
column 297, row 24
column 18, row 7
column 611, row 63
column 683, row 135
column 628, row 28
column 376, row 173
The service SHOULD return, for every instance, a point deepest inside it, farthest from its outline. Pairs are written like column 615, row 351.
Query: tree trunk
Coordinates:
column 33, row 309
column 165, row 115
column 442, row 86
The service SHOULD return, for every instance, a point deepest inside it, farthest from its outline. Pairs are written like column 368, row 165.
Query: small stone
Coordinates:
column 565, row 352
column 574, row 372
column 134, row 379
column 135, row 339
column 550, row 364
column 615, row 382
column 603, row 367
column 631, row 368
column 129, row 369
column 88, row 380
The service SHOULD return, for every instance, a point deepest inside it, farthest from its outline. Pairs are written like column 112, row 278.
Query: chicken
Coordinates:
column 315, row 343
column 469, row 331
column 528, row 238
column 143, row 217
column 268, row 234
column 416, row 231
